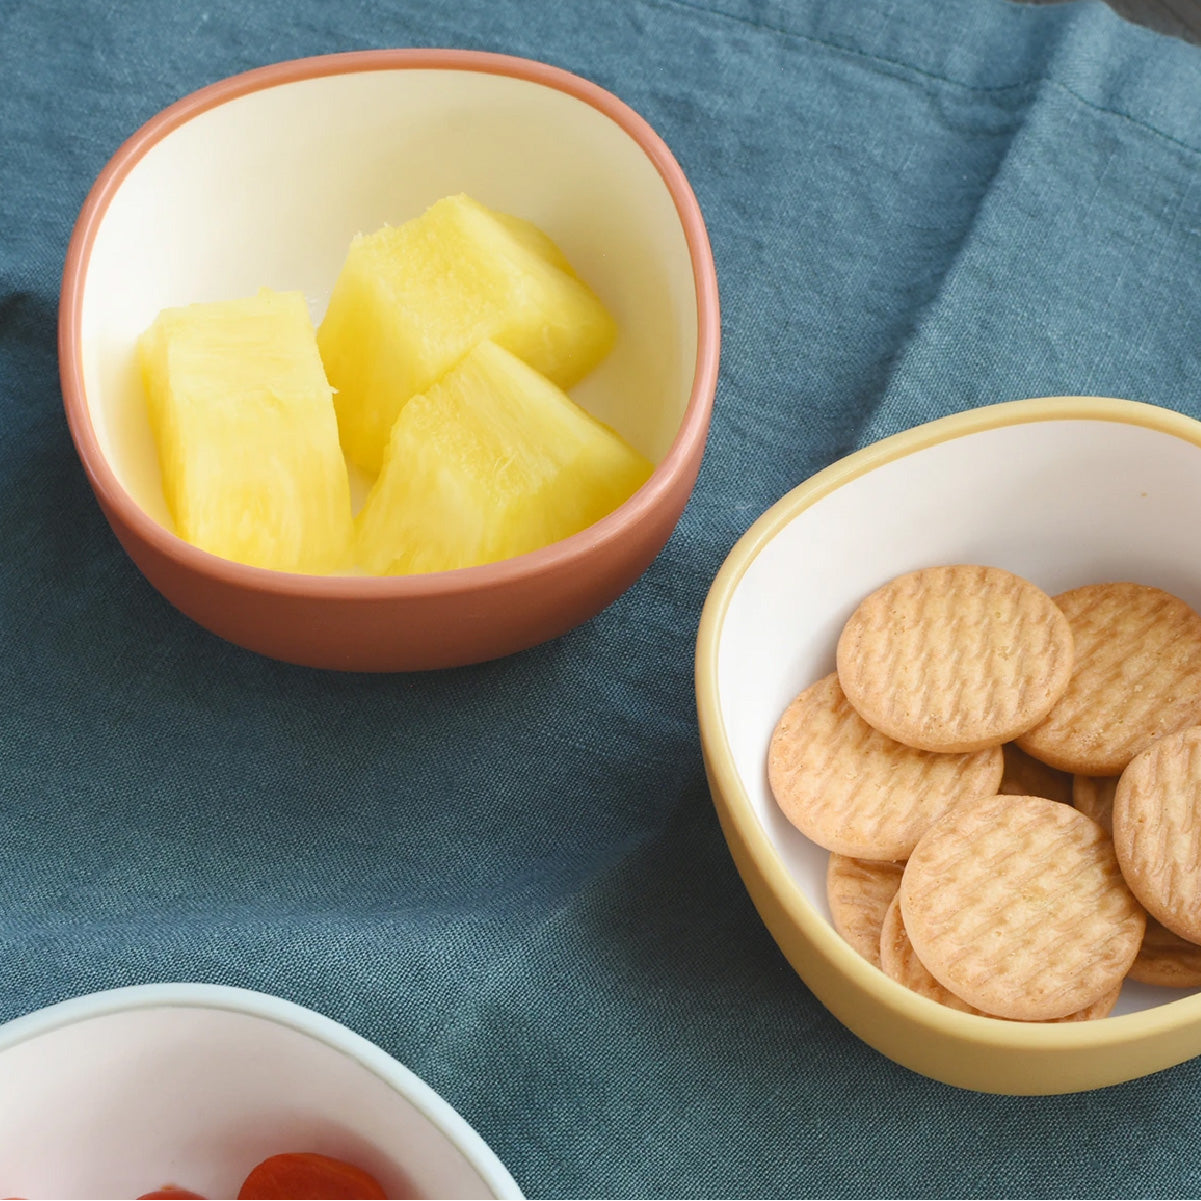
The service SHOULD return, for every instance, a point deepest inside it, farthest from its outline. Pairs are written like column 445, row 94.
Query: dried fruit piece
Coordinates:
column 305, row 1176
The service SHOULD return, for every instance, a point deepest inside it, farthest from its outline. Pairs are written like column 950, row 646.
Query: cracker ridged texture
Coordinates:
column 1137, row 677
column 955, row 658
column 859, row 892
column 1018, row 905
column 899, row 961
column 1157, row 830
column 1164, row 958
column 856, row 791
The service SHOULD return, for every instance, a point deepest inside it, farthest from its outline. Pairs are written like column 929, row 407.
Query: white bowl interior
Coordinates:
column 1063, row 503
column 268, row 189
column 116, row 1103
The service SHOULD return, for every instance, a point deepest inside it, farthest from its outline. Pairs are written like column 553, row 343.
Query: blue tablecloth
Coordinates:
column 511, row 876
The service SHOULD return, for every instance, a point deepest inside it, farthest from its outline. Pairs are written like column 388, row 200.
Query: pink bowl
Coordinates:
column 262, row 180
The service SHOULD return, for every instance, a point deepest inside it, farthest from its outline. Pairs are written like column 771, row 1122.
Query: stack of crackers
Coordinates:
column 1009, row 786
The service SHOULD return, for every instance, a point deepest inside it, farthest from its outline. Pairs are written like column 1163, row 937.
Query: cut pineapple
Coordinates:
column 411, row 300
column 244, row 423
column 492, row 461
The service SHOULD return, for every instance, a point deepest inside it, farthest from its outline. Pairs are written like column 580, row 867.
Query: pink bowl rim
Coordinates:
column 571, row 551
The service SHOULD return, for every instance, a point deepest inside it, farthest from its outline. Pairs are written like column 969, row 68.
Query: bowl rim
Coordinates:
column 249, row 1002
column 572, row 551
column 734, row 804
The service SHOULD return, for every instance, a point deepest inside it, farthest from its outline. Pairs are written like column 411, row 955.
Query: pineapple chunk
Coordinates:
column 492, row 461
column 247, row 440
column 412, row 299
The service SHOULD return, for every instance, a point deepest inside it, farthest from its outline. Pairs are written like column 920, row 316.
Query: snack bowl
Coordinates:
column 191, row 1085
column 1064, row 491
column 262, row 180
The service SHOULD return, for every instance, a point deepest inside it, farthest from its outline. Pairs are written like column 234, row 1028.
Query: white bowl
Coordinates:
column 117, row 1093
column 1064, row 491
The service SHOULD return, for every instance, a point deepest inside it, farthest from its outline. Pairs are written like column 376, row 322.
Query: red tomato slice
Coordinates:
column 305, row 1176
column 171, row 1192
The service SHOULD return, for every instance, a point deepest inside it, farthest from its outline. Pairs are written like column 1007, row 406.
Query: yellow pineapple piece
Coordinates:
column 247, row 439
column 412, row 299
column 492, row 461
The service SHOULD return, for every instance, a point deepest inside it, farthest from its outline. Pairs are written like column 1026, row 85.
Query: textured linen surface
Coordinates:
column 511, row 876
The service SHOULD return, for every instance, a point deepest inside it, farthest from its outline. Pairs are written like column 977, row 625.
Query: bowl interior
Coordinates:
column 1061, row 502
column 267, row 189
column 120, row 1103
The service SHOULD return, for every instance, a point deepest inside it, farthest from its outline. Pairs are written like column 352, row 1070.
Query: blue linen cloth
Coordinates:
column 511, row 876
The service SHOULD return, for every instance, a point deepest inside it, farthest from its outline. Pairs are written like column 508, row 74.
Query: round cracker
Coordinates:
column 1157, row 830
column 1017, row 905
column 859, row 892
column 1166, row 959
column 899, row 961
column 1137, row 677
column 1026, row 776
column 955, row 658
column 856, row 791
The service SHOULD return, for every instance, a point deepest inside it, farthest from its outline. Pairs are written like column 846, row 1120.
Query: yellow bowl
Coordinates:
column 1065, row 491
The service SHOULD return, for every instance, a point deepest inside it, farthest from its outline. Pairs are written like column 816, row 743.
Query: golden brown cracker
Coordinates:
column 1026, row 776
column 856, row 791
column 1166, row 959
column 955, row 658
column 899, row 960
column 1157, row 830
column 1137, row 676
column 1017, row 905
column 859, row 892
column 1100, row 1008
